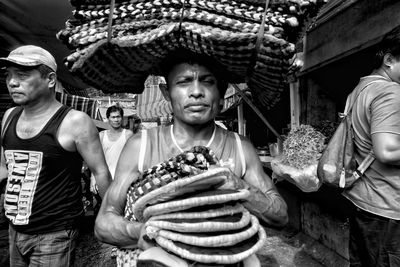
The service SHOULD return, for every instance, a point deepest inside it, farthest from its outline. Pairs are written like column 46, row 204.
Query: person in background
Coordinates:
column 43, row 146
column 195, row 89
column 375, row 222
column 112, row 140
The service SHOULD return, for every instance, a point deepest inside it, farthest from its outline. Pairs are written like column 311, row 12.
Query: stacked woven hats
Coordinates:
column 187, row 212
column 255, row 44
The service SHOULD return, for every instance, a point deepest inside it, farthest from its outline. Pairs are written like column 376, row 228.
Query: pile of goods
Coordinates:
column 303, row 146
column 187, row 212
column 143, row 32
column 302, row 149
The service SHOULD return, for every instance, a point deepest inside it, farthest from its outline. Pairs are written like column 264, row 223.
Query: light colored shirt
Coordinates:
column 112, row 149
column 377, row 110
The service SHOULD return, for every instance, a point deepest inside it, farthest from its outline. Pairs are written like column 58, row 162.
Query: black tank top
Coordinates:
column 43, row 192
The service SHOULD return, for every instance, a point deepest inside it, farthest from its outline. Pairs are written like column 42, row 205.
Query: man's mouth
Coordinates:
column 196, row 107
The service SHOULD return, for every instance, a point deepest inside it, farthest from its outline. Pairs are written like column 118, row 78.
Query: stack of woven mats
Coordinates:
column 143, row 32
column 188, row 213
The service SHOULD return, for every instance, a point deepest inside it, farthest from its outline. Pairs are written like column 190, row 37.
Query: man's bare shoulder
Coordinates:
column 77, row 122
column 76, row 116
column 6, row 114
column 128, row 133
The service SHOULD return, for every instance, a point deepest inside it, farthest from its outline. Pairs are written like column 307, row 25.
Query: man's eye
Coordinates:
column 22, row 74
column 209, row 81
column 181, row 81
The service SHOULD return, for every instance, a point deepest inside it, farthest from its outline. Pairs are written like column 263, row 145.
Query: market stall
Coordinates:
column 338, row 50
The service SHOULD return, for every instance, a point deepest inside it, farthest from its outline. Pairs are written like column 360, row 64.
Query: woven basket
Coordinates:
column 144, row 32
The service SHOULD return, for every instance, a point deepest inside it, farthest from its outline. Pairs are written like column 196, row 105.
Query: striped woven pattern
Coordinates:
column 187, row 211
column 143, row 32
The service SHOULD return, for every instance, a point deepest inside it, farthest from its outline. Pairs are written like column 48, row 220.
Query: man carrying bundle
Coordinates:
column 195, row 89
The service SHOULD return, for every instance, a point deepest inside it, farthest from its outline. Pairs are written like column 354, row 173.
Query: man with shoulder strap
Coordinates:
column 195, row 88
column 375, row 222
column 43, row 146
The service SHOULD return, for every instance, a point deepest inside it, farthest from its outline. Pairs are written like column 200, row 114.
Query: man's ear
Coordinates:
column 388, row 60
column 52, row 79
column 164, row 90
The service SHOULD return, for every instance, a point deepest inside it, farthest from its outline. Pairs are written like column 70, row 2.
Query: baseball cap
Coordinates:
column 30, row 56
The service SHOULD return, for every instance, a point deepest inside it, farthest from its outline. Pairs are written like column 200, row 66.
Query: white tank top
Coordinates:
column 112, row 149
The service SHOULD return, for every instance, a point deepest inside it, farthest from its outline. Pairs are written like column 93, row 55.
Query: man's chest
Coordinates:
column 29, row 129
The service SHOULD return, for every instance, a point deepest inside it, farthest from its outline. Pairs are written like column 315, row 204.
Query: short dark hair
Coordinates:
column 44, row 70
column 114, row 109
column 185, row 56
column 390, row 44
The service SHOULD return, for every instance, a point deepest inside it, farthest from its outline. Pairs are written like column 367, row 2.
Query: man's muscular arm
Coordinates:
column 264, row 200
column 111, row 226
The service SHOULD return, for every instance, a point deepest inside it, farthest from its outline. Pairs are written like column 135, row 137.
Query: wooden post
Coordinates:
column 294, row 104
column 258, row 112
column 240, row 119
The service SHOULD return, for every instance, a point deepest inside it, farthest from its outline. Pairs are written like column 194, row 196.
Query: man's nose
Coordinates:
column 12, row 81
column 197, row 89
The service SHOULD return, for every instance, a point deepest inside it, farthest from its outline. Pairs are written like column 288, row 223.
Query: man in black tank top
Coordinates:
column 195, row 90
column 43, row 146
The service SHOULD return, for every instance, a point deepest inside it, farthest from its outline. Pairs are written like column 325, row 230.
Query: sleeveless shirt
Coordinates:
column 157, row 146
column 112, row 149
column 43, row 192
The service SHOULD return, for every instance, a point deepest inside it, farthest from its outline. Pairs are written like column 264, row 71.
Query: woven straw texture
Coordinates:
column 187, row 212
column 144, row 32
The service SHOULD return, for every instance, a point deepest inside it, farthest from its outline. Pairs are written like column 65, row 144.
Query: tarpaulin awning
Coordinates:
column 232, row 98
column 87, row 105
column 152, row 105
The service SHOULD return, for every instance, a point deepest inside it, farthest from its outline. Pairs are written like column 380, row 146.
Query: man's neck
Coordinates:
column 42, row 108
column 116, row 130
column 381, row 72
column 188, row 136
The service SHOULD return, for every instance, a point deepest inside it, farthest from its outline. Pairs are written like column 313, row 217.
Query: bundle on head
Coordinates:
column 188, row 214
column 255, row 44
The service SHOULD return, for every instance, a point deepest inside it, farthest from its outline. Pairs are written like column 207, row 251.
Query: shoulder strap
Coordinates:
column 8, row 119
column 349, row 106
column 241, row 153
column 142, row 150
column 369, row 159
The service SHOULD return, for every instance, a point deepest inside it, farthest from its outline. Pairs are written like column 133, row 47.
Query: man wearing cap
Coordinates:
column 43, row 146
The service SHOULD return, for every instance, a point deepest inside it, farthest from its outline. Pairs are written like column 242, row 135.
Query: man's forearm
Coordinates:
column 269, row 206
column 116, row 230
column 103, row 182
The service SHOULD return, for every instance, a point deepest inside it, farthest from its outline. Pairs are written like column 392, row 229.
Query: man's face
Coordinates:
column 193, row 93
column 26, row 85
column 115, row 120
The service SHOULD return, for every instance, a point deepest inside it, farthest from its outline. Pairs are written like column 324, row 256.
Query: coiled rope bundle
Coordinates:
column 188, row 213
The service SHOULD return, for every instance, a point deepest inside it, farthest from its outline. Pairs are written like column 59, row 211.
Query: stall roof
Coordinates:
column 345, row 27
column 37, row 22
